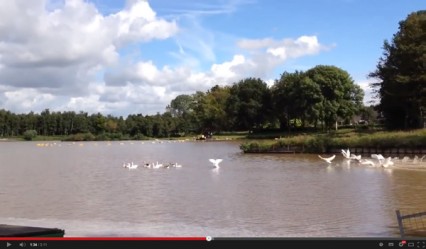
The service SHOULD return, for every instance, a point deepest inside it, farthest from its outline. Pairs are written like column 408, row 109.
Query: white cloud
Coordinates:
column 119, row 100
column 139, row 22
column 89, row 104
column 67, row 57
column 226, row 70
column 286, row 48
column 144, row 76
column 23, row 100
column 68, row 42
column 266, row 54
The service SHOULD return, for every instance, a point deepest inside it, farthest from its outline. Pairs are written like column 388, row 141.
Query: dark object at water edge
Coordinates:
column 27, row 231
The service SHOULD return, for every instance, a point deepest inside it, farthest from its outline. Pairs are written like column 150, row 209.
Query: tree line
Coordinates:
column 82, row 126
column 317, row 97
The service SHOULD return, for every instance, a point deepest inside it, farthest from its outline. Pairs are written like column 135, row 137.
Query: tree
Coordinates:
column 401, row 72
column 180, row 105
column 296, row 96
column 68, row 119
column 198, row 113
column 341, row 98
column 281, row 97
column 97, row 123
column 30, row 134
column 249, row 104
column 81, row 122
column 213, row 106
column 181, row 108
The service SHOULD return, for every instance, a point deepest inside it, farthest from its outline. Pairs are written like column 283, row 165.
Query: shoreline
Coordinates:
column 356, row 150
column 383, row 142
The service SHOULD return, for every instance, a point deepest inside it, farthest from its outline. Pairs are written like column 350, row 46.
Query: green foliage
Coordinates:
column 296, row 122
column 321, row 143
column 209, row 110
column 29, row 135
column 81, row 137
column 259, row 147
column 181, row 105
column 401, row 75
column 248, row 105
column 296, row 96
column 140, row 136
column 341, row 98
column 321, row 94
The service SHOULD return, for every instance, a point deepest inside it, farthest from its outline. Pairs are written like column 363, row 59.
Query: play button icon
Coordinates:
column 8, row 244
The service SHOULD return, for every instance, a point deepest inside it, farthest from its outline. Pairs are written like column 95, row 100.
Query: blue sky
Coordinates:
column 125, row 57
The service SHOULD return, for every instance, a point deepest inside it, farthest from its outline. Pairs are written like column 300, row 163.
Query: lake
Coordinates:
column 84, row 189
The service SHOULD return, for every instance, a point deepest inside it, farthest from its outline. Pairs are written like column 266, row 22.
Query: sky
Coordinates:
column 120, row 57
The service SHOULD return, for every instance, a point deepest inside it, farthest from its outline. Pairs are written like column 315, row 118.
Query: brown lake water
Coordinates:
column 83, row 188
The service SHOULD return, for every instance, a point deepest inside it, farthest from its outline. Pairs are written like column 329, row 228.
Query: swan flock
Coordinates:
column 375, row 160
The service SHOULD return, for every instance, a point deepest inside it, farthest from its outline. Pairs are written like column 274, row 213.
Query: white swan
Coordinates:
column 346, row 154
column 327, row 159
column 367, row 162
column 176, row 165
column 387, row 162
column 216, row 162
column 157, row 165
column 353, row 156
column 132, row 166
column 405, row 159
column 378, row 157
column 415, row 159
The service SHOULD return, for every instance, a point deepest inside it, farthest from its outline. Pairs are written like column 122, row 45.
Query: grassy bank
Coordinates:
column 263, row 142
column 36, row 138
column 315, row 143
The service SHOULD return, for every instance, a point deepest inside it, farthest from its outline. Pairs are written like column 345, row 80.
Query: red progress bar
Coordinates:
column 105, row 238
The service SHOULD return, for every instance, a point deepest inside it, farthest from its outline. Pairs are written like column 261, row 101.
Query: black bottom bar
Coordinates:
column 280, row 243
